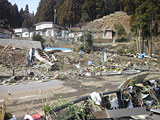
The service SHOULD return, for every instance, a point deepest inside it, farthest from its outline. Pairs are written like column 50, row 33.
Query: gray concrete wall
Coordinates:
column 21, row 43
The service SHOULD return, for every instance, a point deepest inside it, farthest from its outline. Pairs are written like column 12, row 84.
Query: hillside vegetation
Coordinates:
column 108, row 22
column 70, row 12
column 64, row 12
column 12, row 17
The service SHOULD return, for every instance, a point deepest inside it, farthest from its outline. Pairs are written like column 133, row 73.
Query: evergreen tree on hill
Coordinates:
column 45, row 11
column 71, row 12
column 14, row 16
column 27, row 9
column 10, row 13
column 68, row 13
column 27, row 18
column 145, row 14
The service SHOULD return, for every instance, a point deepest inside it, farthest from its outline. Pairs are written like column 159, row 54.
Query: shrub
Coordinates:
column 73, row 111
column 87, row 42
column 120, row 31
column 37, row 37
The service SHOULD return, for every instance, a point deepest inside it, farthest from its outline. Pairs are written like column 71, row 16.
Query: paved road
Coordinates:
column 32, row 86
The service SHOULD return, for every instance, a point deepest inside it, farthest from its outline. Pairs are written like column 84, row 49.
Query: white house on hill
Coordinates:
column 20, row 32
column 52, row 32
column 45, row 29
column 44, row 25
column 76, row 34
column 37, row 32
column 51, row 29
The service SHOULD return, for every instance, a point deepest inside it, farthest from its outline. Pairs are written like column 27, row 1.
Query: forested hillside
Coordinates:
column 144, row 13
column 145, row 19
column 70, row 12
column 11, row 16
column 63, row 12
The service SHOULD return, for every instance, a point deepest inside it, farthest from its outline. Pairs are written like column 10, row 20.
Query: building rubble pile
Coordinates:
column 43, row 66
column 46, row 65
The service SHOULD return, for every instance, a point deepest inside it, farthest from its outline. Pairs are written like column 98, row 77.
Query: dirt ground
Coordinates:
column 70, row 89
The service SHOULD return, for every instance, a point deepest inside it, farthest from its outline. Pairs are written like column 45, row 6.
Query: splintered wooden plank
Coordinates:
column 2, row 113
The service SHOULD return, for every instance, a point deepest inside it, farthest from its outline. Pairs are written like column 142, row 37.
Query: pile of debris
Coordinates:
column 12, row 57
column 132, row 95
column 46, row 64
column 135, row 98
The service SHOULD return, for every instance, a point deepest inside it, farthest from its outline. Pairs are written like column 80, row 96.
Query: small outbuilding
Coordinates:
column 108, row 34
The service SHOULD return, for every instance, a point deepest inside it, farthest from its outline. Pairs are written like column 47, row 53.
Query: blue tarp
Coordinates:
column 142, row 55
column 90, row 63
column 58, row 49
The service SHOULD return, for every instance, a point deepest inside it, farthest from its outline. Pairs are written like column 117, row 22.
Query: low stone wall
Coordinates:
column 102, row 40
column 27, row 38
column 27, row 44
column 53, row 41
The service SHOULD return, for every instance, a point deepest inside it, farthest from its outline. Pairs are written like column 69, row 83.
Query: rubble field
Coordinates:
column 79, row 74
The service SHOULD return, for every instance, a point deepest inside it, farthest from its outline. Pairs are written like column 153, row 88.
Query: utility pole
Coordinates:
column 55, row 14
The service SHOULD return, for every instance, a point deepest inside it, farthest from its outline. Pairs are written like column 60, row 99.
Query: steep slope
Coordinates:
column 108, row 22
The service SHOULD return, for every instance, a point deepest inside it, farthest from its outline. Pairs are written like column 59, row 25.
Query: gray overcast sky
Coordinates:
column 33, row 4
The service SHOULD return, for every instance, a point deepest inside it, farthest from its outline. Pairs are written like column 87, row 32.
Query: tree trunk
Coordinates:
column 147, row 46
column 142, row 49
column 139, row 40
column 150, row 43
column 137, row 43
